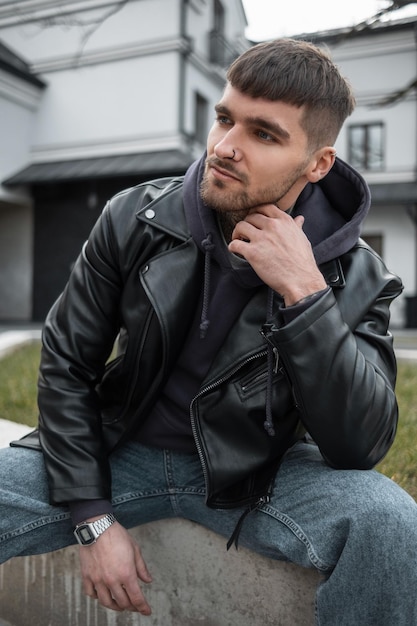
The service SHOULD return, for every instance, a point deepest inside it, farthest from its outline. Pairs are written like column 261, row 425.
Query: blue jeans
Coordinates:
column 357, row 527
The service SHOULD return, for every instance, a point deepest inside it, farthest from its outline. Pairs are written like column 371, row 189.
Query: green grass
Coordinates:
column 18, row 384
column 18, row 376
column 400, row 464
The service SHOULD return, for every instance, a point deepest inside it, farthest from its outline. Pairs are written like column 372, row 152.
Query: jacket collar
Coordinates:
column 160, row 212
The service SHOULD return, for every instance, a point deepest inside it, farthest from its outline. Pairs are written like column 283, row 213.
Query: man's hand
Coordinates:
column 110, row 570
column 278, row 250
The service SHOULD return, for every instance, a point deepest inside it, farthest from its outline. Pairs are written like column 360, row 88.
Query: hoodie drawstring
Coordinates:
column 272, row 355
column 208, row 246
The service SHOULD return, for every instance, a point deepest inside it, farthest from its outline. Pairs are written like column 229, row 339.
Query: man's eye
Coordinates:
column 265, row 136
column 222, row 119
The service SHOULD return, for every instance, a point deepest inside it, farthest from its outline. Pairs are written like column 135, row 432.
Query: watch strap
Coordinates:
column 87, row 533
column 103, row 523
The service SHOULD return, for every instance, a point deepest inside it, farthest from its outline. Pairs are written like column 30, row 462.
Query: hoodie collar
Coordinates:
column 334, row 210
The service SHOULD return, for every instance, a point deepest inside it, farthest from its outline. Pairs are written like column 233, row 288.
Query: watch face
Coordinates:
column 85, row 535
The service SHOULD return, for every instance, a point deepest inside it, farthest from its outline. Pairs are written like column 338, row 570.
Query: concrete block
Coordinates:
column 196, row 583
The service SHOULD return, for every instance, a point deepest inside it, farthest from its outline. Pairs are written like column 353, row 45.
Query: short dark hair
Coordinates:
column 299, row 73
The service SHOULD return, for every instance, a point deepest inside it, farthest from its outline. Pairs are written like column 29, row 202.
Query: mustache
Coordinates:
column 224, row 165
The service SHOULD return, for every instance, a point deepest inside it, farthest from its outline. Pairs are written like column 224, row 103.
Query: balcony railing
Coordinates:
column 221, row 52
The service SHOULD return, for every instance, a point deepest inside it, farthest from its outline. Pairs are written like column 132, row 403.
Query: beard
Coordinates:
column 216, row 194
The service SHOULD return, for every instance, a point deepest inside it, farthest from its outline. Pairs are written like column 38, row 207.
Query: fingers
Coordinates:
column 299, row 220
column 111, row 569
column 131, row 598
column 105, row 597
column 270, row 210
column 279, row 251
column 123, row 598
column 265, row 218
column 141, row 568
column 112, row 595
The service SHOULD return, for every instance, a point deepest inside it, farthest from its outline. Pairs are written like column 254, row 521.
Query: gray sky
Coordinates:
column 275, row 18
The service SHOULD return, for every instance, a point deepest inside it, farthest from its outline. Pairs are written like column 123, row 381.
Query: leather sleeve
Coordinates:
column 102, row 301
column 78, row 336
column 339, row 358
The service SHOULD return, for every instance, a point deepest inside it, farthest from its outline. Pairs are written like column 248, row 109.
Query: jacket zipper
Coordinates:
column 209, row 387
column 234, row 539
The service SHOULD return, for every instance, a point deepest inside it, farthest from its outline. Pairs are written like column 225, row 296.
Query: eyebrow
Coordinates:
column 273, row 127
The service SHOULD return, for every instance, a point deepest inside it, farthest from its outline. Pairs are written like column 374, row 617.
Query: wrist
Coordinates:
column 309, row 297
column 298, row 295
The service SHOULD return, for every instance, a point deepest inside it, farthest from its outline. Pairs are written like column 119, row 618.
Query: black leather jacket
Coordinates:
column 141, row 272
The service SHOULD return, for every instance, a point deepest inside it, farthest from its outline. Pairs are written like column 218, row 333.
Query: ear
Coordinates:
column 321, row 163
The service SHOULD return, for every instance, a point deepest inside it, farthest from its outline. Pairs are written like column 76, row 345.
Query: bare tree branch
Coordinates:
column 375, row 18
column 94, row 25
column 396, row 96
column 368, row 24
column 399, row 94
column 65, row 17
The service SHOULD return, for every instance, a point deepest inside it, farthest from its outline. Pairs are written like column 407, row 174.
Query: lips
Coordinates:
column 222, row 173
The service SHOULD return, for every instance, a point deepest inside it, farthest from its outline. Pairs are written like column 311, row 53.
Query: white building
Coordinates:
column 20, row 94
column 114, row 92
column 380, row 140
column 109, row 93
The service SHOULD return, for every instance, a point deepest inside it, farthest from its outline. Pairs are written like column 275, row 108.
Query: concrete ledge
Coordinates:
column 196, row 582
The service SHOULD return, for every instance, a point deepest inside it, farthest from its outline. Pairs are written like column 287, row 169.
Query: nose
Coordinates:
column 225, row 149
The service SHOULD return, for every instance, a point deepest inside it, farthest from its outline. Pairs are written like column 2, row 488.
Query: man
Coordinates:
column 253, row 389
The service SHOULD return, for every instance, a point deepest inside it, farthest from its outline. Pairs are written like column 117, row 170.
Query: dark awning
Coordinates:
column 171, row 161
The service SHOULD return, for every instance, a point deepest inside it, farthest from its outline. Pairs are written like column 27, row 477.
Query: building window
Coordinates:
column 217, row 40
column 218, row 17
column 366, row 149
column 201, row 117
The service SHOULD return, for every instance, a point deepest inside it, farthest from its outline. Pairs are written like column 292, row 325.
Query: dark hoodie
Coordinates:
column 334, row 210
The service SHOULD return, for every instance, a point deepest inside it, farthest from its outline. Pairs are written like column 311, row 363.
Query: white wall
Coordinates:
column 54, row 37
column 117, row 94
column 117, row 107
column 120, row 91
column 18, row 104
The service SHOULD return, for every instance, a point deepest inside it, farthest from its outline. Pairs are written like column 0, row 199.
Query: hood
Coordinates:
column 334, row 210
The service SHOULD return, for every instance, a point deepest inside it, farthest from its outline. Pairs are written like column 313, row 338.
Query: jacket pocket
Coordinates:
column 255, row 381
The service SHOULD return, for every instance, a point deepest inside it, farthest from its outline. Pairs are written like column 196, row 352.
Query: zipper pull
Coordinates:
column 234, row 539
column 276, row 355
column 263, row 500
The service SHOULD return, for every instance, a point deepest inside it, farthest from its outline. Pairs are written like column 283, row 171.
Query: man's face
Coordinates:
column 256, row 154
